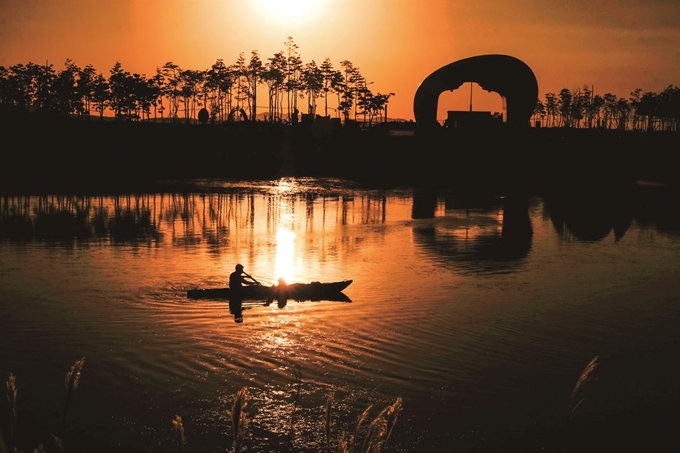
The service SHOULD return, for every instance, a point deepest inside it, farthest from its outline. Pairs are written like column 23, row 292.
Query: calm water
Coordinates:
column 479, row 313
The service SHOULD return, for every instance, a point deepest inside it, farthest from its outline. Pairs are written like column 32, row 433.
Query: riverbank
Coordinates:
column 57, row 154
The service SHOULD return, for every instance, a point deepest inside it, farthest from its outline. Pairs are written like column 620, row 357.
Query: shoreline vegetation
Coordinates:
column 234, row 92
column 364, row 436
column 78, row 130
column 585, row 426
column 47, row 154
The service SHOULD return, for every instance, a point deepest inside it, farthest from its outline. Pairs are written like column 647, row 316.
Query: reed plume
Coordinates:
column 377, row 433
column 347, row 441
column 239, row 418
column 390, row 415
column 12, row 398
column 327, row 419
column 178, row 426
column 298, row 386
column 72, row 380
column 59, row 443
column 586, row 376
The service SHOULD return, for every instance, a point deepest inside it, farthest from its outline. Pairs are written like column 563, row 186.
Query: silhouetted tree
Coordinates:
column 254, row 74
column 41, row 86
column 121, row 89
column 669, row 108
column 293, row 74
column 551, row 108
column 634, row 101
column 539, row 111
column 100, row 94
column 191, row 82
column 146, row 93
column 349, row 88
column 648, row 108
column 65, row 92
column 170, row 87
column 85, row 88
column 156, row 86
column 327, row 73
column 21, row 88
column 379, row 103
column 220, row 80
column 313, row 81
column 565, row 107
column 274, row 76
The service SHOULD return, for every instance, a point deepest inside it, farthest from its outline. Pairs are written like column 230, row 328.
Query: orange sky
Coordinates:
column 613, row 45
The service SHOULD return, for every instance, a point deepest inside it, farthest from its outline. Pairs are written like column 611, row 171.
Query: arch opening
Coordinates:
column 470, row 97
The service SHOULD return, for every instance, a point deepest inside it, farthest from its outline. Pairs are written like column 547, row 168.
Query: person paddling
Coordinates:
column 237, row 280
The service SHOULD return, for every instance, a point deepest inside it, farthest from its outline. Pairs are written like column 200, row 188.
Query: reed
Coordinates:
column 377, row 434
column 327, row 419
column 297, row 374
column 178, row 426
column 59, row 443
column 12, row 398
column 390, row 415
column 380, row 429
column 239, row 418
column 587, row 375
column 72, row 380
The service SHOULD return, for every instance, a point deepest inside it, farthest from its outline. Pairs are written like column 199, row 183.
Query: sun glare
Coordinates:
column 285, row 249
column 288, row 10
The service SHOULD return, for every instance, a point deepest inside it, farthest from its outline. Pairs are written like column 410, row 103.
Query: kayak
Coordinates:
column 297, row 291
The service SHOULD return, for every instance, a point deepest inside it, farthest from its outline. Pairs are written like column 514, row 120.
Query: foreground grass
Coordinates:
column 364, row 437
column 647, row 429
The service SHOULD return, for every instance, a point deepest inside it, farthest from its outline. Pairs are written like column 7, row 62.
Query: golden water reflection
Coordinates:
column 122, row 256
column 285, row 255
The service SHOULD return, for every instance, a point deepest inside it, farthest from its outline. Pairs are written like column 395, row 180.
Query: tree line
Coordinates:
column 221, row 93
column 582, row 108
column 230, row 93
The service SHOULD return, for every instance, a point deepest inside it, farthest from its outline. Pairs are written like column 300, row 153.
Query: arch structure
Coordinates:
column 233, row 115
column 508, row 76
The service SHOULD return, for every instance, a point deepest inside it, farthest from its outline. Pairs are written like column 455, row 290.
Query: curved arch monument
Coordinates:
column 508, row 76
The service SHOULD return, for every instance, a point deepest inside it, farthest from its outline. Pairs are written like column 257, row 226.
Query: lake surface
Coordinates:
column 479, row 313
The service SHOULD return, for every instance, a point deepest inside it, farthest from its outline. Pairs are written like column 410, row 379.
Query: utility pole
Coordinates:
column 470, row 96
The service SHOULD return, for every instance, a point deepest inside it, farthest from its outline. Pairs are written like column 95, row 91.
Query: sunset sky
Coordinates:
column 614, row 46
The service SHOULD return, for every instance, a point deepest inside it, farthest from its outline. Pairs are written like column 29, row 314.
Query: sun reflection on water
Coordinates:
column 285, row 252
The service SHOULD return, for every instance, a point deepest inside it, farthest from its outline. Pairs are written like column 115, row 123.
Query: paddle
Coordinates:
column 252, row 278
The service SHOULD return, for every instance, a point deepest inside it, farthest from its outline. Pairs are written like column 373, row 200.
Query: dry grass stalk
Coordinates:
column 3, row 446
column 327, row 419
column 178, row 426
column 59, row 443
column 347, row 441
column 72, row 380
column 298, row 387
column 239, row 418
column 586, row 376
column 12, row 398
column 390, row 414
column 378, row 431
